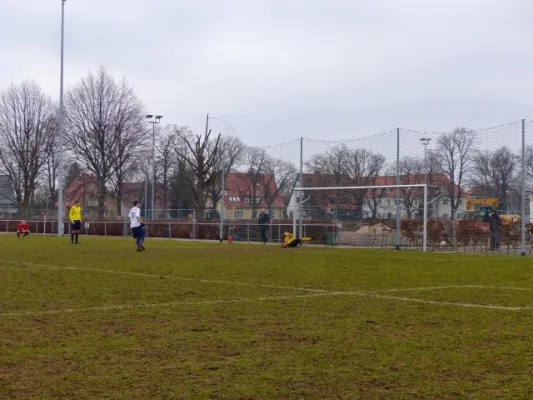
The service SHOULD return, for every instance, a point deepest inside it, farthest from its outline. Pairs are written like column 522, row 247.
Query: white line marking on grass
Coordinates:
column 445, row 303
column 162, row 305
column 318, row 292
column 116, row 272
column 421, row 288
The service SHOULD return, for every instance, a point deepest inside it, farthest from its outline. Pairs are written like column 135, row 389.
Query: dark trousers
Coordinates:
column 263, row 230
column 495, row 240
column 138, row 234
column 294, row 243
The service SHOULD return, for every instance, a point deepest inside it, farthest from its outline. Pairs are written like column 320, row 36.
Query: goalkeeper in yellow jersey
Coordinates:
column 75, row 222
column 291, row 241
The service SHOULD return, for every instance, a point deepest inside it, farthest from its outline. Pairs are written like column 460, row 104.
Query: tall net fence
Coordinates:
column 469, row 173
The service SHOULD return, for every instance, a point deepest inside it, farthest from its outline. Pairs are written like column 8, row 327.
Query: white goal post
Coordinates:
column 425, row 206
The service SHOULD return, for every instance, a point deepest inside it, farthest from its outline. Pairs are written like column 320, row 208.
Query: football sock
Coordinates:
column 72, row 237
column 76, row 238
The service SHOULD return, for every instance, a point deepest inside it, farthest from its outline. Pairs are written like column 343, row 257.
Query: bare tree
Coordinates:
column 256, row 162
column 200, row 154
column 26, row 136
column 433, row 178
column 362, row 167
column 374, row 198
column 105, row 129
column 455, row 154
column 165, row 159
column 345, row 167
column 496, row 171
column 411, row 172
column 52, row 164
column 279, row 175
column 74, row 171
column 231, row 154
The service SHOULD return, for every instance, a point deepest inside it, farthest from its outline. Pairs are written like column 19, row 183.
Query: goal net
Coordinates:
column 377, row 216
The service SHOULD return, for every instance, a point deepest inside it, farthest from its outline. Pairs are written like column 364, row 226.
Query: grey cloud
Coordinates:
column 279, row 70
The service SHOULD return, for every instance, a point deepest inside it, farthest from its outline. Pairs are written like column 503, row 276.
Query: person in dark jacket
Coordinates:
column 263, row 221
column 495, row 223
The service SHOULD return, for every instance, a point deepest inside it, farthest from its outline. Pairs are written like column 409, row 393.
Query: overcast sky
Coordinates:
column 281, row 69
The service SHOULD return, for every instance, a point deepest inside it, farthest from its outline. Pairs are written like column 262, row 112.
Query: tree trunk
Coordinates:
column 24, row 209
column 101, row 197
column 119, row 197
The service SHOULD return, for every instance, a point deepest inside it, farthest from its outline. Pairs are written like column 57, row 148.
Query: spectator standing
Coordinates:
column 263, row 222
column 495, row 224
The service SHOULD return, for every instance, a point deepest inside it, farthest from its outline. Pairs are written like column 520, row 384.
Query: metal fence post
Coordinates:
column 398, row 210
column 169, row 231
column 523, row 192
column 300, row 205
column 105, row 228
column 248, row 233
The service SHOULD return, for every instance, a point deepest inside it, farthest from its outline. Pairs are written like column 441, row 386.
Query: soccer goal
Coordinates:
column 378, row 202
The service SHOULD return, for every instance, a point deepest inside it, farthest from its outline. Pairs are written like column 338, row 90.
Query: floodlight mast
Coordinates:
column 60, row 207
column 153, row 119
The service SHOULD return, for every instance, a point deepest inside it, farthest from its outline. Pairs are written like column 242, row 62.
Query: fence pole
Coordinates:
column 169, row 231
column 425, row 234
column 523, row 192
column 222, row 199
column 248, row 233
column 105, row 228
column 398, row 216
column 300, row 205
column 194, row 225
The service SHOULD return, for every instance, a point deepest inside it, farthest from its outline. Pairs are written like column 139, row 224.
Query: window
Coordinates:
column 247, row 200
column 445, row 201
column 238, row 214
column 445, row 216
column 388, row 203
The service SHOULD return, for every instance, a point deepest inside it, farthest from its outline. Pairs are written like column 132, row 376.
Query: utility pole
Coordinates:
column 398, row 209
column 222, row 199
column 60, row 207
column 153, row 120
column 425, row 143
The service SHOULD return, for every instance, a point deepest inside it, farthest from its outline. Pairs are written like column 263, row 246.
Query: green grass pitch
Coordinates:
column 232, row 321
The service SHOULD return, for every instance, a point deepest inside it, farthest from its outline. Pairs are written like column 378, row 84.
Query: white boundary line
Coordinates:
column 448, row 303
column 318, row 293
column 170, row 277
column 160, row 305
column 451, row 287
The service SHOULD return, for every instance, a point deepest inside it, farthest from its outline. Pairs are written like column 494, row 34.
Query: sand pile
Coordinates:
column 378, row 229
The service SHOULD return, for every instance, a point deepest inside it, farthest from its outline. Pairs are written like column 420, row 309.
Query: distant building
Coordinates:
column 8, row 202
column 84, row 189
column 241, row 201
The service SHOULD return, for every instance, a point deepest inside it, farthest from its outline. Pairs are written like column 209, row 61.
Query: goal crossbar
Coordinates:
column 418, row 185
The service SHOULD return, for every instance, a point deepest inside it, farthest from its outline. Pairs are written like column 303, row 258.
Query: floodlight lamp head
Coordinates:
column 149, row 116
column 158, row 117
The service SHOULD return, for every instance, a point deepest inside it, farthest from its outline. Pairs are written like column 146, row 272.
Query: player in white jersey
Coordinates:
column 136, row 225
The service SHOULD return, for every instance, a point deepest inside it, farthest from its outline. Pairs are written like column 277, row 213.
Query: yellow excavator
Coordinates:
column 479, row 210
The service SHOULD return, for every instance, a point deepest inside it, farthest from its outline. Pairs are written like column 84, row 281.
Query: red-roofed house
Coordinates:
column 244, row 200
column 84, row 189
column 135, row 191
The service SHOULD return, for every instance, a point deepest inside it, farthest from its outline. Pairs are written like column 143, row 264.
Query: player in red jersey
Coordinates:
column 23, row 229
